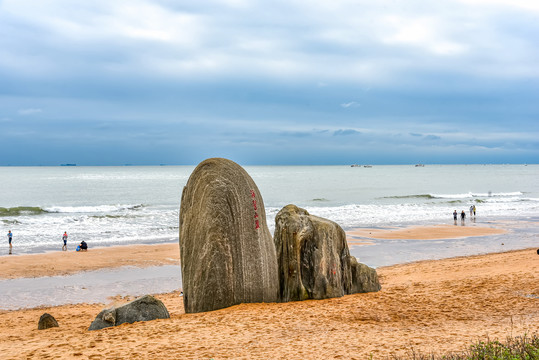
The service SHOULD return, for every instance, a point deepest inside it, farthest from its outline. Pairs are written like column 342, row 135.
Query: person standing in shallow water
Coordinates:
column 455, row 216
column 64, row 238
column 462, row 217
column 10, row 237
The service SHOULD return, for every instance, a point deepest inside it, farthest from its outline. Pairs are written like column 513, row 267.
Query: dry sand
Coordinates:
column 438, row 306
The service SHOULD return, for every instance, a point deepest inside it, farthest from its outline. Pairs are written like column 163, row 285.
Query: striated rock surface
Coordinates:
column 313, row 256
column 227, row 253
column 46, row 321
column 142, row 309
column 364, row 278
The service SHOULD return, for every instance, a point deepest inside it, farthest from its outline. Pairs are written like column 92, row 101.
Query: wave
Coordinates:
column 21, row 210
column 10, row 222
column 36, row 210
column 469, row 195
column 92, row 209
column 420, row 196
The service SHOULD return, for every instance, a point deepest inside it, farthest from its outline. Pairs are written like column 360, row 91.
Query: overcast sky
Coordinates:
column 269, row 82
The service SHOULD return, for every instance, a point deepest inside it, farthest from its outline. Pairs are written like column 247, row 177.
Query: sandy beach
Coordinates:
column 71, row 262
column 427, row 232
column 431, row 306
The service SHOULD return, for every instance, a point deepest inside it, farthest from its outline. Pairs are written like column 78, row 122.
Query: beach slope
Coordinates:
column 430, row 306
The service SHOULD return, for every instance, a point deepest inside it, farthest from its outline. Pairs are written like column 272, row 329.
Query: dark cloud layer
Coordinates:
column 152, row 82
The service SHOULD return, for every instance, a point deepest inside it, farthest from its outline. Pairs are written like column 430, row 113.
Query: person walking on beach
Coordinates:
column 10, row 237
column 64, row 237
column 455, row 216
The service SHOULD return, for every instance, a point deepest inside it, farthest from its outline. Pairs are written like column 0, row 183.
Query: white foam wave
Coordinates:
column 470, row 195
column 376, row 214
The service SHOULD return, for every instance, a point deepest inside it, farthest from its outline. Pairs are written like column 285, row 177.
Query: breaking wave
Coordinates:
column 421, row 196
column 92, row 209
column 469, row 195
column 21, row 210
column 36, row 210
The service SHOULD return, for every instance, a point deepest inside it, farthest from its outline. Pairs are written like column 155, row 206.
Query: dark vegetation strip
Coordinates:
column 524, row 347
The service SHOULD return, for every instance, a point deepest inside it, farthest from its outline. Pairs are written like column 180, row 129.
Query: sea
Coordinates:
column 126, row 205
column 107, row 206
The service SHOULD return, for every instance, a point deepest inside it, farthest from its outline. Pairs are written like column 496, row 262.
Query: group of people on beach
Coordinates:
column 463, row 215
column 83, row 246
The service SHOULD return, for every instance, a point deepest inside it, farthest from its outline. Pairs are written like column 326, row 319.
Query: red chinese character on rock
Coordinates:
column 253, row 195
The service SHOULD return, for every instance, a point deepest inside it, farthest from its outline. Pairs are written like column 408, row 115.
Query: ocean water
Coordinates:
column 108, row 206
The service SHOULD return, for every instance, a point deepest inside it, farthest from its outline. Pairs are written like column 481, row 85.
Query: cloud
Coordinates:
column 345, row 132
column 204, row 72
column 295, row 134
column 423, row 32
column 350, row 104
column 29, row 111
column 223, row 39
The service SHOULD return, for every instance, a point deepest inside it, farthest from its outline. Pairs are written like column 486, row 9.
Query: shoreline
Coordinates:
column 429, row 306
column 57, row 263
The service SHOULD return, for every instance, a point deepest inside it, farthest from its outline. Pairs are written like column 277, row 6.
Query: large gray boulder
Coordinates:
column 227, row 253
column 142, row 309
column 46, row 321
column 313, row 256
column 364, row 278
column 314, row 260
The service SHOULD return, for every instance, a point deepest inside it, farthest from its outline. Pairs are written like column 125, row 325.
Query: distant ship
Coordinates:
column 68, row 164
column 367, row 166
column 355, row 165
column 419, row 165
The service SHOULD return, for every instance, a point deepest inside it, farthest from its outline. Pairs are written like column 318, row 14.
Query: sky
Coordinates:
column 291, row 82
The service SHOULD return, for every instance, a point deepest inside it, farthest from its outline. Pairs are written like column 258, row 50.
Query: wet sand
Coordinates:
column 71, row 262
column 439, row 306
column 427, row 232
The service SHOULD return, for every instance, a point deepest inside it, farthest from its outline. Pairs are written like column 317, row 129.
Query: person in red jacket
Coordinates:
column 64, row 237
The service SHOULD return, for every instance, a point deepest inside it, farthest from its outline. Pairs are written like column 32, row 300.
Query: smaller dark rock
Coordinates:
column 142, row 309
column 364, row 278
column 46, row 321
